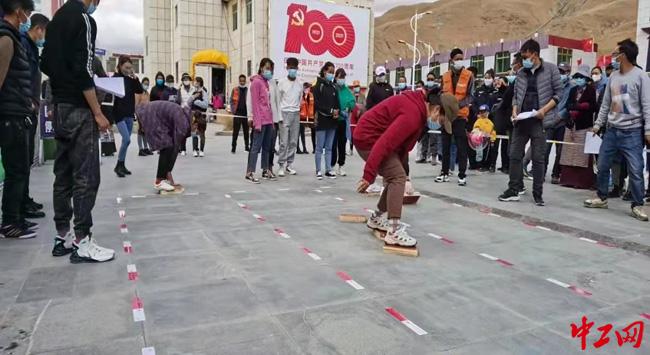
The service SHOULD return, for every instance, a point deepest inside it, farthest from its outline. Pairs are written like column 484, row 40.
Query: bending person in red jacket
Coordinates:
column 384, row 138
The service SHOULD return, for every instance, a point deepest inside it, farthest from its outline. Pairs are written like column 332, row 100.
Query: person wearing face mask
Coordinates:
column 159, row 90
column 538, row 88
column 262, row 121
column 33, row 38
column 67, row 58
column 143, row 145
column 577, row 167
column 401, row 85
column 346, row 105
column 124, row 110
column 384, row 138
column 380, row 90
column 307, row 118
column 172, row 93
column 625, row 113
column 199, row 103
column 16, row 108
column 183, row 96
column 238, row 109
column 290, row 92
column 327, row 108
column 502, row 113
column 359, row 109
column 459, row 82
column 427, row 146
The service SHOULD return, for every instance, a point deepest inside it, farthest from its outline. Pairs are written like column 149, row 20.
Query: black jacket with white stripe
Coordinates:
column 68, row 53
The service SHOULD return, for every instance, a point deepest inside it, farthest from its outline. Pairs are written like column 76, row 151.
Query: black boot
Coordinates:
column 148, row 151
column 142, row 153
column 125, row 170
column 118, row 169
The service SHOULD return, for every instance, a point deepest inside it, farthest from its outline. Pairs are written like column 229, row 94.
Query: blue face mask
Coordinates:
column 292, row 73
column 433, row 125
column 268, row 75
column 581, row 82
column 357, row 90
column 511, row 78
column 160, row 82
column 145, row 87
column 40, row 43
column 329, row 77
column 340, row 82
column 429, row 84
column 564, row 78
column 616, row 64
column 91, row 8
column 528, row 63
column 401, row 86
column 25, row 26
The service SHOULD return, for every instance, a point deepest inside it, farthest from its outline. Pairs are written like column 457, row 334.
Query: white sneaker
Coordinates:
column 291, row 171
column 400, row 237
column 379, row 223
column 196, row 154
column 183, row 153
column 340, row 171
column 163, row 186
column 281, row 172
column 87, row 251
column 201, row 154
column 319, row 175
column 442, row 178
column 462, row 182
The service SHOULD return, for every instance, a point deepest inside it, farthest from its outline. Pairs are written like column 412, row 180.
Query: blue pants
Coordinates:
column 324, row 140
column 263, row 141
column 629, row 143
column 125, row 127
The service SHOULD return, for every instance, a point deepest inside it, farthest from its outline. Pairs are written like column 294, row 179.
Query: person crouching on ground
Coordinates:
column 166, row 126
column 384, row 138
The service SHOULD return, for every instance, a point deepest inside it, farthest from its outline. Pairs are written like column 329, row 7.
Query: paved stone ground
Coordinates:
column 213, row 279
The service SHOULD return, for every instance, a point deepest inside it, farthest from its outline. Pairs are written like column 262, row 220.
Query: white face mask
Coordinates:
column 488, row 82
column 458, row 65
column 186, row 82
column 596, row 77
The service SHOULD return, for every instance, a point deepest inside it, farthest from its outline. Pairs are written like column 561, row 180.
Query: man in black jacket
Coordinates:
column 32, row 40
column 380, row 90
column 15, row 117
column 68, row 60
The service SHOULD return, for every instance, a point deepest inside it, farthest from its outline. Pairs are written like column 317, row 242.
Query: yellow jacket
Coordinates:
column 486, row 126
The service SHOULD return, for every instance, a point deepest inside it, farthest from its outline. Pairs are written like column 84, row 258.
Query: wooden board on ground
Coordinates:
column 353, row 218
column 179, row 190
column 371, row 194
column 395, row 249
column 411, row 199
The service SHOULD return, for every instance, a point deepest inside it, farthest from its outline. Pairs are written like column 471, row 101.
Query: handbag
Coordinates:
column 573, row 154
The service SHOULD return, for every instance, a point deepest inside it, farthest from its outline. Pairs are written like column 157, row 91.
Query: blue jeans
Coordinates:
column 324, row 140
column 125, row 127
column 262, row 140
column 629, row 143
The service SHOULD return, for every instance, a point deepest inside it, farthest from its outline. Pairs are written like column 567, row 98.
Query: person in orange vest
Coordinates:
column 459, row 82
column 307, row 118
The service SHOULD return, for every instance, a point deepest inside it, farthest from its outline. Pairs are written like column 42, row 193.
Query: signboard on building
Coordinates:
column 315, row 33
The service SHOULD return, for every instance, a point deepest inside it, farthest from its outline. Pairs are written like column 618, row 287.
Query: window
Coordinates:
column 111, row 64
column 399, row 72
column 478, row 61
column 249, row 68
column 249, row 11
column 564, row 55
column 502, row 62
column 176, row 16
column 234, row 17
column 435, row 68
column 388, row 76
column 418, row 73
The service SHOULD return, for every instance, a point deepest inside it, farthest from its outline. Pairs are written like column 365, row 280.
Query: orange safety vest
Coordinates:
column 235, row 99
column 461, row 88
column 307, row 108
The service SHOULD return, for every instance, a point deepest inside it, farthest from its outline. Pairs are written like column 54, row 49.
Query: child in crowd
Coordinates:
column 484, row 125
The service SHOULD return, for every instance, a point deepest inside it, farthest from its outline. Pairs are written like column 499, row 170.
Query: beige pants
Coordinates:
column 394, row 175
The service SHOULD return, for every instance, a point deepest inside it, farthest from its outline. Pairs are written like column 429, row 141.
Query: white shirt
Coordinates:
column 290, row 95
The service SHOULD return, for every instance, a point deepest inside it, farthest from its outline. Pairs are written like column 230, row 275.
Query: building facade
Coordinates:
column 176, row 29
column 643, row 33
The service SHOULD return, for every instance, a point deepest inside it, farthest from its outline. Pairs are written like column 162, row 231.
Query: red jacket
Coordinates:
column 393, row 126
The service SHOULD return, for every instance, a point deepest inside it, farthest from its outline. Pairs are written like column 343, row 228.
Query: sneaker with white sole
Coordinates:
column 201, row 154
column 87, row 251
column 330, row 174
column 400, row 237
column 63, row 246
column 379, row 223
column 196, row 153
column 290, row 170
column 639, row 213
column 281, row 172
column 522, row 191
column 183, row 153
column 250, row 177
column 442, row 178
column 319, row 175
column 340, row 171
column 462, row 181
column 16, row 231
column 163, row 185
column 595, row 203
column 509, row 196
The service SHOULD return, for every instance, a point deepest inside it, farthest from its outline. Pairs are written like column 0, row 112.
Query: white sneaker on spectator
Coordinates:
column 291, row 171
column 87, row 251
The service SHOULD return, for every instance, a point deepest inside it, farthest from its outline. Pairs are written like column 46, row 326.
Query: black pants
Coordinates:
column 14, row 147
column 523, row 131
column 338, row 148
column 76, row 168
column 200, row 135
column 302, row 136
column 274, row 139
column 490, row 156
column 183, row 147
column 166, row 161
column 30, row 156
column 240, row 123
column 505, row 156
column 459, row 134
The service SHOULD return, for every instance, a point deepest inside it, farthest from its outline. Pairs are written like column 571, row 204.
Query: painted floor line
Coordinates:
column 570, row 287
column 412, row 326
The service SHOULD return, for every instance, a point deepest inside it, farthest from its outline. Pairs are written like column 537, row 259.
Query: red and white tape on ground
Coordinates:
column 227, row 196
column 149, row 351
column 128, row 248
column 138, row 309
column 281, row 233
column 123, row 228
column 414, row 327
column 119, row 200
column 645, row 315
column 243, row 206
column 345, row 277
column 494, row 258
column 311, row 254
column 259, row 218
column 570, row 287
column 441, row 238
column 122, row 214
column 132, row 272
column 595, row 242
